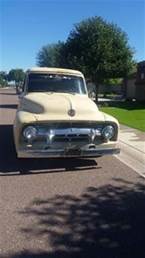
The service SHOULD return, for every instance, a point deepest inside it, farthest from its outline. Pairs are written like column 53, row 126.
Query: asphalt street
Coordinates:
column 66, row 208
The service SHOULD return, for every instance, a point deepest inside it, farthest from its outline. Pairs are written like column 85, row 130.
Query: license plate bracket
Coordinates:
column 73, row 152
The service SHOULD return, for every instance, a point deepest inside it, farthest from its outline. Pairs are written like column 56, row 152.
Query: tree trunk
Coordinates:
column 124, row 88
column 97, row 91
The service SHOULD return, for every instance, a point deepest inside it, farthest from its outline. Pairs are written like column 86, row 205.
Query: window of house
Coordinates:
column 142, row 76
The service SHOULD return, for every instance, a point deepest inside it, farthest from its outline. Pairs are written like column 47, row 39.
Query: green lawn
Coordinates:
column 128, row 113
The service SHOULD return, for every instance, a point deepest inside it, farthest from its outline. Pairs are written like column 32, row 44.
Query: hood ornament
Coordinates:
column 71, row 112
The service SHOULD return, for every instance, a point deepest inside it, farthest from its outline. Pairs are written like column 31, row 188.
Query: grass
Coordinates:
column 131, row 114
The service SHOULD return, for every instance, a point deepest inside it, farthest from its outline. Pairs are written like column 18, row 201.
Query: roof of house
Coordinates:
column 142, row 63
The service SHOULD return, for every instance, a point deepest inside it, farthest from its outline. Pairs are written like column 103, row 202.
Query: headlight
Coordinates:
column 30, row 132
column 108, row 132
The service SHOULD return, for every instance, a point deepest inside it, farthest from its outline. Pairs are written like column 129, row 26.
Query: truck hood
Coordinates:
column 57, row 106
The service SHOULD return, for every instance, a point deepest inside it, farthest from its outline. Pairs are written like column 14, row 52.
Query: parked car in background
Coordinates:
column 56, row 118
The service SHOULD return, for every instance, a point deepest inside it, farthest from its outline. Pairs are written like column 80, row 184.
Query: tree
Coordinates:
column 16, row 75
column 99, row 49
column 2, row 82
column 50, row 55
column 3, row 79
column 4, row 75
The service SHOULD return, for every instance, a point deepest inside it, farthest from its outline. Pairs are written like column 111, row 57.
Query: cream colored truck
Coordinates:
column 56, row 118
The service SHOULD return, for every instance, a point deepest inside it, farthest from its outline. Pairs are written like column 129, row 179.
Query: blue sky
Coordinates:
column 27, row 25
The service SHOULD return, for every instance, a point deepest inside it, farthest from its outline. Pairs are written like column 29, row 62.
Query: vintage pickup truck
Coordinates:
column 56, row 118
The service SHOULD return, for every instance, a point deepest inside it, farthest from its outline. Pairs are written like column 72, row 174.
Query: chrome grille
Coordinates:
column 56, row 136
column 63, row 135
column 69, row 135
column 72, row 135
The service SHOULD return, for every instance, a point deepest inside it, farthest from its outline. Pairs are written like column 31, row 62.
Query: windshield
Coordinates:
column 55, row 83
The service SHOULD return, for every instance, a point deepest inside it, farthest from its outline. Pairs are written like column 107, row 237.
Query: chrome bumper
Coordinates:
column 67, row 153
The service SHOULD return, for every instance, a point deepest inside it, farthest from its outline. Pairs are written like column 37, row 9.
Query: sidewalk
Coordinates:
column 132, row 145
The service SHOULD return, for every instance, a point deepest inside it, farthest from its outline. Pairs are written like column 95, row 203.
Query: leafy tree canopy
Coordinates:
column 16, row 75
column 50, row 55
column 99, row 49
column 113, row 81
column 3, row 79
column 3, row 75
column 2, row 82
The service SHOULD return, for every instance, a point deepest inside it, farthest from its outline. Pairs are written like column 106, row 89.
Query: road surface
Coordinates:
column 67, row 208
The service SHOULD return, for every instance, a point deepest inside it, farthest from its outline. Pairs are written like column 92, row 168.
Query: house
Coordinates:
column 129, row 87
column 135, row 84
column 140, row 82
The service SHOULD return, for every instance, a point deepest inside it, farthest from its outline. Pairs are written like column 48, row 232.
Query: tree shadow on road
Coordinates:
column 8, row 93
column 9, row 106
column 103, row 222
column 10, row 165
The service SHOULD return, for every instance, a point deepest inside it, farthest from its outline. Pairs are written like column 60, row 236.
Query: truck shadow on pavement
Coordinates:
column 108, row 221
column 10, row 165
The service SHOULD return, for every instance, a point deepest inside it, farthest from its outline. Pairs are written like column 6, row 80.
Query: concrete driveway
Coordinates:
column 132, row 144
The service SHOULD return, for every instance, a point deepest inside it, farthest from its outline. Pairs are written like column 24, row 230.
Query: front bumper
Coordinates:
column 61, row 153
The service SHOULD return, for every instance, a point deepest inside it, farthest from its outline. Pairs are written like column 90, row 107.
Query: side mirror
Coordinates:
column 19, row 89
column 92, row 95
column 21, row 95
